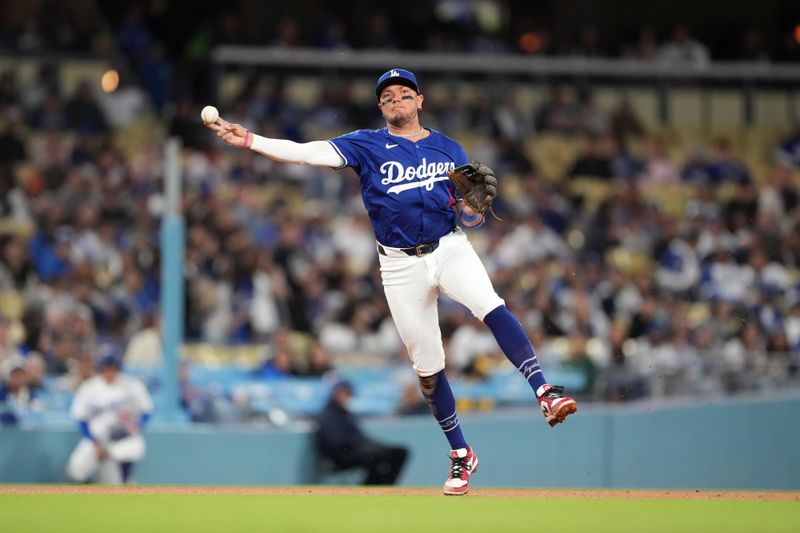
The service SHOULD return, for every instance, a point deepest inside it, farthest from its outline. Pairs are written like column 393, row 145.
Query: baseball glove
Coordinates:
column 477, row 185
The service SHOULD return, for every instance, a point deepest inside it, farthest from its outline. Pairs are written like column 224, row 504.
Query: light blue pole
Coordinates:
column 172, row 243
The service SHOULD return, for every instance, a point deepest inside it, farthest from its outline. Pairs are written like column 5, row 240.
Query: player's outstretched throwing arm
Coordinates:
column 317, row 153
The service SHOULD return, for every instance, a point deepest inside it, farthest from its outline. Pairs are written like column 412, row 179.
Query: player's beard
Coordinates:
column 401, row 119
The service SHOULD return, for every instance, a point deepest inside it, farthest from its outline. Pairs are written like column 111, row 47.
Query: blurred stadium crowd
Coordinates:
column 487, row 26
column 642, row 265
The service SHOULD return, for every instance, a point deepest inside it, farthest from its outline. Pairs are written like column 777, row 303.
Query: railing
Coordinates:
column 504, row 65
column 746, row 77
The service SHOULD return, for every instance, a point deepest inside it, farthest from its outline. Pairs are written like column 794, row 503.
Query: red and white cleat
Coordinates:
column 556, row 407
column 464, row 463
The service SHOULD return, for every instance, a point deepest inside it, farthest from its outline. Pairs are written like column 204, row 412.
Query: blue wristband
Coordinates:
column 469, row 220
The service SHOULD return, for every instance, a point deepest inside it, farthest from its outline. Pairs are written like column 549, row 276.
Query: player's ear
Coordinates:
column 420, row 99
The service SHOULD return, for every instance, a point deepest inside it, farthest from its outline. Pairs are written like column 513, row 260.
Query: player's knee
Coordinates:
column 77, row 474
column 428, row 384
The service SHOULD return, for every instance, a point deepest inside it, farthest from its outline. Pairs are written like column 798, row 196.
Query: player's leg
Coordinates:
column 82, row 462
column 129, row 449
column 462, row 276
column 109, row 472
column 126, row 471
column 125, row 453
column 412, row 295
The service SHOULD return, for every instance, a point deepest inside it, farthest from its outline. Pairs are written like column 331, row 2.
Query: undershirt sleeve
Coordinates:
column 315, row 153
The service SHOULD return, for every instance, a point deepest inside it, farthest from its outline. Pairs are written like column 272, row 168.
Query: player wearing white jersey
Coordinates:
column 111, row 409
column 416, row 213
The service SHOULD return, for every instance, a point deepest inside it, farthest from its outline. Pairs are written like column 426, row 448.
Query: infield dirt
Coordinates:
column 542, row 494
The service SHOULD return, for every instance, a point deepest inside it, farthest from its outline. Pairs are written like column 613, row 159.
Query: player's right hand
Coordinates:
column 233, row 134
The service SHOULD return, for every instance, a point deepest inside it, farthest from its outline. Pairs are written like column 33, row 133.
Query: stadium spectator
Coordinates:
column 83, row 113
column 788, row 153
column 144, row 348
column 593, row 121
column 683, row 48
column 625, row 123
column 12, row 147
column 779, row 196
column 557, row 114
column 645, row 48
column 659, row 170
column 10, row 354
column 341, row 441
column 17, row 400
column 591, row 161
column 588, row 43
column 752, row 46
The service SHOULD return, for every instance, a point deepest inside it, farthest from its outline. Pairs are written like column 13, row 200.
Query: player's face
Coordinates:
column 399, row 104
column 110, row 373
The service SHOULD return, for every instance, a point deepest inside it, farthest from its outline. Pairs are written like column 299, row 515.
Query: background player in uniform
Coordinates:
column 111, row 410
column 422, row 251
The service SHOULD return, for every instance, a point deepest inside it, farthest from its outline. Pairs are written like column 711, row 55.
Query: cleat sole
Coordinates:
column 563, row 412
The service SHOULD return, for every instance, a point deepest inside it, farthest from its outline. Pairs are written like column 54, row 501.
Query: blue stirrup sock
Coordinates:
column 515, row 344
column 437, row 392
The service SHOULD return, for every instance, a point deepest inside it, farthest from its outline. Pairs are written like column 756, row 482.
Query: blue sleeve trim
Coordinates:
column 84, row 427
column 341, row 154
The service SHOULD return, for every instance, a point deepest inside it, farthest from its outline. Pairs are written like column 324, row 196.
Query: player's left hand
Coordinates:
column 477, row 185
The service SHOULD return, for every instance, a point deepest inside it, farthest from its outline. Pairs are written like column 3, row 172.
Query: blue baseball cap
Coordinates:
column 396, row 76
column 108, row 354
column 342, row 384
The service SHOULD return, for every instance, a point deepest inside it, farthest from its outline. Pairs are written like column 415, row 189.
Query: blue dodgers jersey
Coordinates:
column 404, row 184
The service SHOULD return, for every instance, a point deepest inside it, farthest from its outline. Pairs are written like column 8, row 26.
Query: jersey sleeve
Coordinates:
column 80, row 403
column 351, row 147
column 143, row 401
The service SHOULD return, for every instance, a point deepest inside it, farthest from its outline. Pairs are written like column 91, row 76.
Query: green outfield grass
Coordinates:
column 121, row 513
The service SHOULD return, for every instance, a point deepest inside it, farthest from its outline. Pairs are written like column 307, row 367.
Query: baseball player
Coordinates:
column 416, row 214
column 111, row 410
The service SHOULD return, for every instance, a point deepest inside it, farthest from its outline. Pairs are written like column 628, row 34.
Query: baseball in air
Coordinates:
column 209, row 114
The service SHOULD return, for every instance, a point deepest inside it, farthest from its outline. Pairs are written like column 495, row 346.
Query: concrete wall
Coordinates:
column 752, row 444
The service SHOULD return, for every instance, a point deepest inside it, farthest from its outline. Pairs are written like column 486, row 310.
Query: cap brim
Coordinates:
column 395, row 80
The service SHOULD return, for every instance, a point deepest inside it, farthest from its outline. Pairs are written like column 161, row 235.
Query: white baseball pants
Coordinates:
column 83, row 463
column 412, row 285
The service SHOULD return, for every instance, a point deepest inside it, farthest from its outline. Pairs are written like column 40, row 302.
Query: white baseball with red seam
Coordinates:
column 209, row 114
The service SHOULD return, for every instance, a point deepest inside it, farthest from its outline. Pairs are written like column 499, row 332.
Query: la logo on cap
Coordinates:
column 393, row 73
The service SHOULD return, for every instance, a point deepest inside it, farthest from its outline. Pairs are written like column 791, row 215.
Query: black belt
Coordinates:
column 418, row 250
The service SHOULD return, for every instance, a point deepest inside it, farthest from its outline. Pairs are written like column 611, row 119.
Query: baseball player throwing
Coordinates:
column 415, row 212
column 111, row 410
